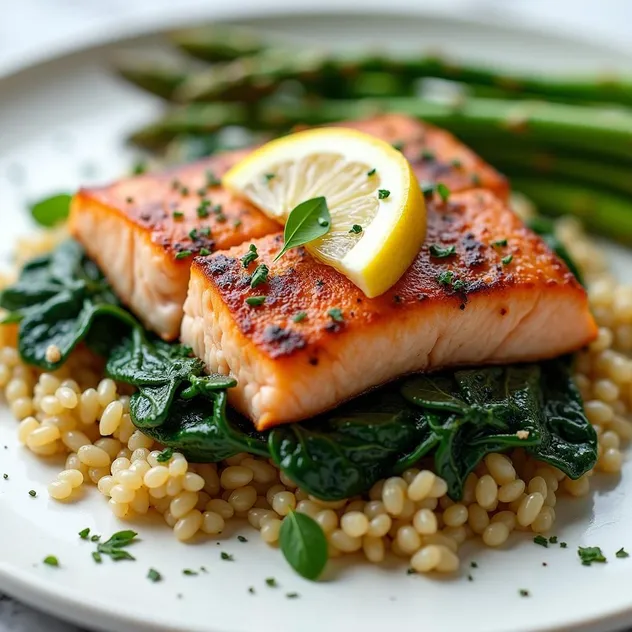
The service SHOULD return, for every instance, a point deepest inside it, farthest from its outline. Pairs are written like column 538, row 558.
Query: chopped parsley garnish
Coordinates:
column 411, row 571
column 427, row 154
column 292, row 595
column 227, row 556
column 398, row 144
column 541, row 540
column 443, row 191
column 255, row 300
column 201, row 192
column 524, row 593
column 553, row 539
column 153, row 575
column 217, row 209
column 269, row 176
column 165, row 455
column 382, row 194
column 242, row 539
column 237, row 223
column 51, row 560
column 32, row 493
column 563, row 545
column 251, row 590
column 449, row 279
column 507, row 260
column 428, row 188
column 250, row 256
column 5, row 477
column 205, row 231
column 203, row 210
column 621, row 553
column 184, row 191
column 456, row 163
column 590, row 554
column 271, row 582
column 139, row 168
column 441, row 252
column 204, row 252
column 183, row 254
column 190, row 572
column 500, row 243
column 356, row 229
column 95, row 538
column 178, row 215
column 193, row 234
column 470, row 578
column 84, row 533
column 299, row 317
column 473, row 564
column 260, row 275
column 372, row 172
column 115, row 546
column 96, row 556
column 336, row 314
column 211, row 179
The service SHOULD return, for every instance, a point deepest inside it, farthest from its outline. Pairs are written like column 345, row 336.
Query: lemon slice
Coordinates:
column 378, row 215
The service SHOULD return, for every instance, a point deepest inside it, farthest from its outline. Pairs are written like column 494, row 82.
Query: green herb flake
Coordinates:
column 251, row 590
column 242, row 539
column 203, row 210
column 299, row 317
column 591, row 554
column 541, row 540
column 32, row 493
column 553, row 539
column 250, row 256
column 306, row 222
column 5, row 477
column 115, row 546
column 411, row 571
column 184, row 191
column 372, row 172
column 227, row 557
column 470, row 578
column 201, row 191
column 270, row 581
column 524, row 593
column 193, row 234
column 84, row 533
column 292, row 595
column 211, row 179
column 427, row 154
column 335, row 313
column 260, row 275
column 183, row 254
column 153, row 575
column 445, row 278
column 178, row 216
column 622, row 553
column 204, row 252
column 165, row 455
column 356, row 229
column 507, row 260
column 269, row 176
column 51, row 560
column 139, row 168
column 442, row 252
column 382, row 194
column 563, row 545
column 500, row 243
column 96, row 556
column 205, row 231
column 443, row 191
column 456, row 163
column 237, row 223
column 189, row 572
column 254, row 301
column 303, row 544
column 474, row 564
column 428, row 188
column 95, row 538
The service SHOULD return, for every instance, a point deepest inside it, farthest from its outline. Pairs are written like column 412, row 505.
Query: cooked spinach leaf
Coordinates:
column 57, row 300
column 343, row 453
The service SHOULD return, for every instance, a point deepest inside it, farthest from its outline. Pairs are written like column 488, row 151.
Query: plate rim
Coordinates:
column 52, row 597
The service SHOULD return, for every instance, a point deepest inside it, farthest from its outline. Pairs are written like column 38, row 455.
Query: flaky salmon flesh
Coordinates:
column 144, row 231
column 502, row 297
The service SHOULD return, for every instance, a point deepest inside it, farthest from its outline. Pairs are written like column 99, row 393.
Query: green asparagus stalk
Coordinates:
column 606, row 213
column 219, row 42
column 474, row 120
column 313, row 68
column 157, row 77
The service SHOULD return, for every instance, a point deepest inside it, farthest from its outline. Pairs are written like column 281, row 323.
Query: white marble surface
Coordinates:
column 33, row 29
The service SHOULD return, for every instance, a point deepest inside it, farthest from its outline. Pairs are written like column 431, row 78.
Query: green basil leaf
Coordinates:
column 304, row 545
column 308, row 221
column 52, row 210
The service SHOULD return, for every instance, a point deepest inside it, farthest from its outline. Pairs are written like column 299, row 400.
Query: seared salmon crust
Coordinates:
column 144, row 231
column 317, row 340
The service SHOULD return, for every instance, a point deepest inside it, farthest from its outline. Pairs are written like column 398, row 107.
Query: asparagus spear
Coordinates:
column 606, row 213
column 474, row 120
column 158, row 77
column 245, row 76
column 219, row 42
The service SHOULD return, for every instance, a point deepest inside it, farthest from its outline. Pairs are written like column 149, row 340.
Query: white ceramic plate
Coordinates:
column 61, row 124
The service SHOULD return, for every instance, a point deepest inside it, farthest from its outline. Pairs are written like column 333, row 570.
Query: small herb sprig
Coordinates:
column 306, row 222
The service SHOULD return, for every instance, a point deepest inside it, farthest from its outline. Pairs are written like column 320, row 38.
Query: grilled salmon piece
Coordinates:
column 317, row 341
column 143, row 231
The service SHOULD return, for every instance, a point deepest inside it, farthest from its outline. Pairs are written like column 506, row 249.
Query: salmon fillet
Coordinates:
column 475, row 307
column 143, row 231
